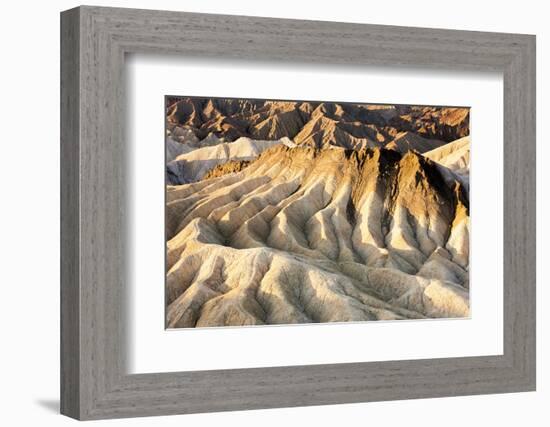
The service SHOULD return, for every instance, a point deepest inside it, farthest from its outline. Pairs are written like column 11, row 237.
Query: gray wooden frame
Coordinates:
column 94, row 382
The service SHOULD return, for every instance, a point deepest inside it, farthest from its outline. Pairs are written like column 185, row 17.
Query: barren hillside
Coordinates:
column 315, row 124
column 317, row 235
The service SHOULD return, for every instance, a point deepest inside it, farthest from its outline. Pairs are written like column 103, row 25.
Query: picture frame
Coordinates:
column 94, row 267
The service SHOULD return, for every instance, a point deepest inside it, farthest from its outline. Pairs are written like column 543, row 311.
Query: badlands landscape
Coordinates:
column 284, row 212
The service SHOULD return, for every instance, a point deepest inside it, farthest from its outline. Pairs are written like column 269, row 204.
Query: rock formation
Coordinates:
column 192, row 165
column 316, row 124
column 296, row 212
column 455, row 159
column 304, row 234
column 225, row 168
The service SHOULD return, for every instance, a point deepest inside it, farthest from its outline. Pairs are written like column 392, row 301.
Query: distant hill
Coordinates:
column 317, row 124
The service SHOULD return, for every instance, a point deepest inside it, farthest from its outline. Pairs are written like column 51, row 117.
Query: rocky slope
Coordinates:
column 192, row 165
column 316, row 235
column 454, row 159
column 200, row 121
column 454, row 156
column 225, row 168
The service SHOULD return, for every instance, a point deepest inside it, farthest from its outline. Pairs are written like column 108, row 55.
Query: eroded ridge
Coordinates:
column 305, row 235
column 200, row 122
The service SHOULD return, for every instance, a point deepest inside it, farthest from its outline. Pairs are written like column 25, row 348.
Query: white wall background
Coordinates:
column 29, row 233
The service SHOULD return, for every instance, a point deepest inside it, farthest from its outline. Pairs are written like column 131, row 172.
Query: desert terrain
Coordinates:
column 283, row 212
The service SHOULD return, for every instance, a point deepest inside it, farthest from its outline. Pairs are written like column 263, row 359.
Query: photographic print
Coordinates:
column 292, row 212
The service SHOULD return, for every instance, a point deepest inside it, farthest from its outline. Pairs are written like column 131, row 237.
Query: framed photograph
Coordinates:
column 262, row 213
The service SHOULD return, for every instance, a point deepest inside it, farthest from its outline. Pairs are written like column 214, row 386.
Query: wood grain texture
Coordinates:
column 70, row 314
column 95, row 383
